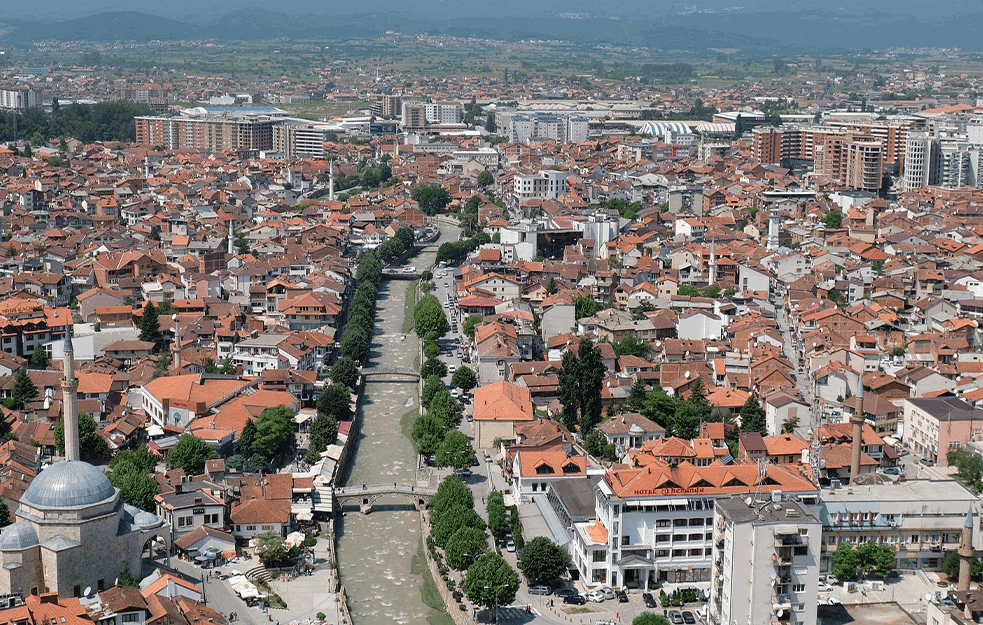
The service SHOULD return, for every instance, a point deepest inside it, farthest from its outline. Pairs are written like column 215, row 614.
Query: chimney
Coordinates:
column 49, row 597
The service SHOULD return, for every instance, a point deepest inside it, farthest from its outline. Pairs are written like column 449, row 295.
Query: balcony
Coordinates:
column 791, row 540
column 781, row 602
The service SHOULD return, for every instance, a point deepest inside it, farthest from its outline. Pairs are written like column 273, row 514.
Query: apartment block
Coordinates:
column 765, row 562
column 19, row 98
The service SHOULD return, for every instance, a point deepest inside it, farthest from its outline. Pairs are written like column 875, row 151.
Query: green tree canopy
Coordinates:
column 465, row 379
column 433, row 366
column 244, row 446
column 274, row 432
column 868, row 560
column 345, row 372
column 630, row 346
column 190, row 453
column 428, row 316
column 490, row 582
column 132, row 473
column 431, row 386
column 39, row 359
column 660, row 407
column 271, row 549
column 428, row 434
column 444, row 407
column 323, row 432
column 23, row 391
column 833, row 219
column 649, row 618
column 465, row 546
column 753, row 416
column 585, row 306
column 5, row 516
column 455, row 451
column 91, row 445
column 472, row 322
column 543, row 560
column 485, row 179
column 150, row 324
column 789, row 425
column 453, row 519
column 452, row 491
column 335, row 400
column 432, row 198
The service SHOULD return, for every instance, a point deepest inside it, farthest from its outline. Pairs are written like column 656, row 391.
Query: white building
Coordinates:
column 19, row 98
column 534, row 127
column 441, row 113
column 547, row 184
column 765, row 562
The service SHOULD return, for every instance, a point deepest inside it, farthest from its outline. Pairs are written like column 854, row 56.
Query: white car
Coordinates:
column 451, row 368
column 824, row 587
column 597, row 596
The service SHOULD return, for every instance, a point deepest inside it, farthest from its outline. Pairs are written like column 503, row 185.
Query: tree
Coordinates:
column 432, row 198
column 91, row 445
column 464, row 547
column 324, row 432
column 543, row 560
column 753, row 416
column 428, row 316
column 433, row 366
column 688, row 290
column 5, row 518
column 345, row 372
column 789, row 425
column 472, row 322
column 431, row 386
column 428, row 434
column 464, row 379
column 845, row 561
column 876, row 560
column 443, row 406
column 335, row 400
column 630, row 346
column 39, row 359
column 584, row 306
column 271, row 549
column 490, row 582
column 498, row 520
column 485, row 179
column 274, row 431
column 659, row 407
column 648, row 618
column 969, row 467
column 453, row 519
column 685, row 422
column 591, row 381
column 23, row 391
column 698, row 398
column 451, row 492
column 244, row 446
column 132, row 473
column 833, row 219
column 150, row 324
column 190, row 454
column 431, row 349
column 455, row 451
column 569, row 389
column 126, row 578
column 636, row 396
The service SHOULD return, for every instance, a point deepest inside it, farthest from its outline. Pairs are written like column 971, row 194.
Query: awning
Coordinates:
column 304, row 515
column 635, row 561
column 678, row 502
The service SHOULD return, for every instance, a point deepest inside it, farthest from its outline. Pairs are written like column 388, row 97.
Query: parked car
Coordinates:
column 540, row 590
column 608, row 592
column 891, row 471
column 649, row 600
column 688, row 618
column 452, row 369
column 565, row 591
column 577, row 599
column 465, row 472
column 510, row 545
column 675, row 617
column 928, row 462
column 597, row 596
column 824, row 587
column 622, row 596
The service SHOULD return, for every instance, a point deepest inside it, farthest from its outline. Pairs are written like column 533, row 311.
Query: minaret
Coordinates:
column 331, row 180
column 69, row 386
column 773, row 230
column 232, row 233
column 177, row 342
column 966, row 552
column 858, row 432
column 713, row 263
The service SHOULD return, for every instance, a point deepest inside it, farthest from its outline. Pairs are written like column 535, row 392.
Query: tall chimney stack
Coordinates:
column 69, row 387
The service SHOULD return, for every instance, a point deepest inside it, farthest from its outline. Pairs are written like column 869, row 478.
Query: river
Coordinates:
column 375, row 551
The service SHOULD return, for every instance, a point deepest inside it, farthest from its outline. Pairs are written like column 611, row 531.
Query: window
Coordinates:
column 598, row 556
column 662, row 538
column 800, row 551
column 131, row 618
column 798, row 587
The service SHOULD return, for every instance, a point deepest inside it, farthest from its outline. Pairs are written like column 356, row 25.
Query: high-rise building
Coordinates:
column 533, row 127
column 240, row 129
column 948, row 154
column 19, row 98
column 414, row 116
column 765, row 561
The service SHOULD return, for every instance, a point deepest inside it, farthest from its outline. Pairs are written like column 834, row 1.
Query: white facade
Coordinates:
column 18, row 99
column 765, row 562
column 548, row 184
column 444, row 112
column 534, row 127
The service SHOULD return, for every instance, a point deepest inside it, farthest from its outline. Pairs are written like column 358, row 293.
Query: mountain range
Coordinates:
column 752, row 26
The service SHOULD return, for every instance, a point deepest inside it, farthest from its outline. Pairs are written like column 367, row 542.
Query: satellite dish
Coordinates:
column 773, row 582
column 780, row 613
column 88, row 589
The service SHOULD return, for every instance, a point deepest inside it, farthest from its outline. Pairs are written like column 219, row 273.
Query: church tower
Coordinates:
column 69, row 386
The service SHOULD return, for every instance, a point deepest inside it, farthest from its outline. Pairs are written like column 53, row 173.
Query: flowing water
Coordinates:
column 375, row 551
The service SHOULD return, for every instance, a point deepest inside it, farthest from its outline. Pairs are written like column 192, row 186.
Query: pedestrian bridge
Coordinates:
column 367, row 494
column 390, row 372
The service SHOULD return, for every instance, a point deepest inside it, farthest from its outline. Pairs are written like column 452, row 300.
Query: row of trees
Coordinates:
column 458, row 530
column 104, row 121
column 435, row 432
column 580, row 381
column 456, row 251
column 356, row 337
column 395, row 246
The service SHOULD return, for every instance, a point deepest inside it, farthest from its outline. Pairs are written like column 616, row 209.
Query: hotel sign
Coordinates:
column 671, row 491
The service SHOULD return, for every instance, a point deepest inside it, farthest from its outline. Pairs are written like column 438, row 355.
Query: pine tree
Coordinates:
column 23, row 391
column 753, row 416
column 150, row 324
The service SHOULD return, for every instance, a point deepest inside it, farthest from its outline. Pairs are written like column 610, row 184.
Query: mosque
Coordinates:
column 73, row 532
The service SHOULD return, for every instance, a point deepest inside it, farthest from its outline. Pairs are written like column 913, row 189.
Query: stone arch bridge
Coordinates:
column 366, row 495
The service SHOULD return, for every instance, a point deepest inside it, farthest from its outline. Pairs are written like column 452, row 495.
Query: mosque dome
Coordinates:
column 69, row 484
column 18, row 536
